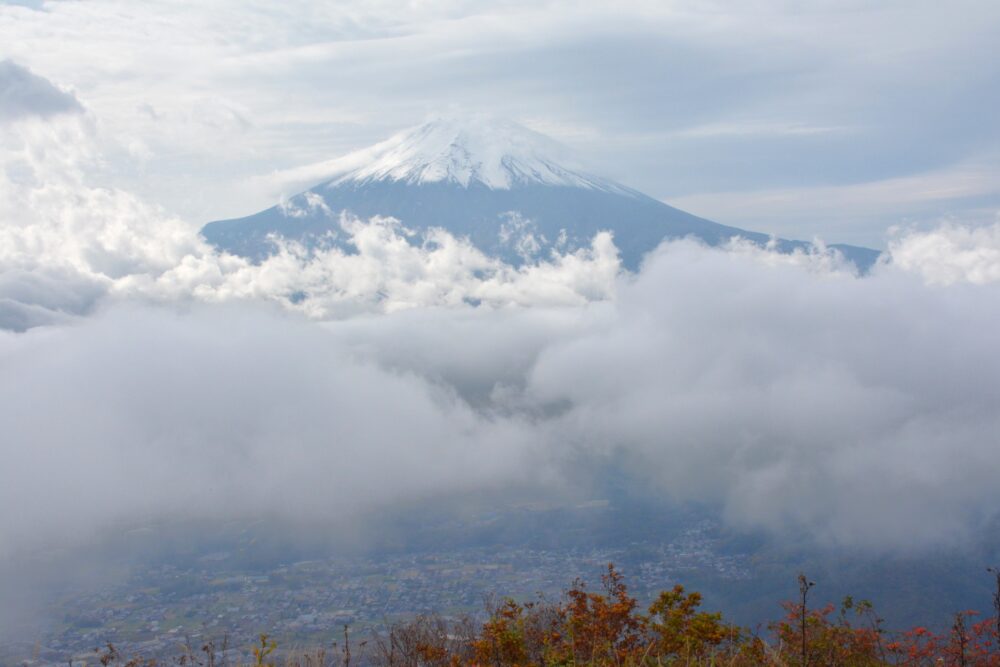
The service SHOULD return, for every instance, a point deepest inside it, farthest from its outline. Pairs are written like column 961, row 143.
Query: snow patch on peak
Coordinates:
column 499, row 154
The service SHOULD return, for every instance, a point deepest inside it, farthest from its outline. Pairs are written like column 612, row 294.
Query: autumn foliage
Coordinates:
column 607, row 628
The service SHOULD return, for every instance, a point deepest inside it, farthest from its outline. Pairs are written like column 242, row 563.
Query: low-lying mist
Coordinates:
column 862, row 410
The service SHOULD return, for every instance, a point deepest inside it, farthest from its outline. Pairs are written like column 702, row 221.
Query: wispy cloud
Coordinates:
column 968, row 190
column 668, row 96
column 756, row 129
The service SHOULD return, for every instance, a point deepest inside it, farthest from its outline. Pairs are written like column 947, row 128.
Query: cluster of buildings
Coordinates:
column 165, row 611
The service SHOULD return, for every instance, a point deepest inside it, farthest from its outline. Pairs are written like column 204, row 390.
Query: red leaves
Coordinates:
column 607, row 628
column 603, row 629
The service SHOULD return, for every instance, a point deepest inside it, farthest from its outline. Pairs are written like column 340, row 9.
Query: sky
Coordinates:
column 786, row 391
column 839, row 120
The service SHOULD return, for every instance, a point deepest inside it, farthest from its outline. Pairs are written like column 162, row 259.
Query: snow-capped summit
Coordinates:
column 497, row 153
column 493, row 182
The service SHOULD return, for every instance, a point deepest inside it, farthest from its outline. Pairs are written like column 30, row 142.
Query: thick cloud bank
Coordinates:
column 25, row 94
column 862, row 411
column 65, row 244
column 951, row 254
column 144, row 375
column 145, row 413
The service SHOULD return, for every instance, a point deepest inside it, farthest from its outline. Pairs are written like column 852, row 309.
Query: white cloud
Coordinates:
column 240, row 412
column 781, row 388
column 858, row 411
column 235, row 100
column 60, row 230
column 951, row 254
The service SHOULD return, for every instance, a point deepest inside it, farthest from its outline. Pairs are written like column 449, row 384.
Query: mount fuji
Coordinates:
column 514, row 193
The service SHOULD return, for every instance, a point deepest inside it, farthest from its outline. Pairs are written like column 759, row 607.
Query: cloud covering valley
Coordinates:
column 143, row 374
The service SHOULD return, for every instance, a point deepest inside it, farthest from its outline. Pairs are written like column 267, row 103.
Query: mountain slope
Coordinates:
column 514, row 193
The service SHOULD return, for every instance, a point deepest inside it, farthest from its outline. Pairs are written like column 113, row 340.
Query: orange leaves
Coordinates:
column 261, row 653
column 502, row 640
column 608, row 629
column 830, row 641
column 681, row 630
column 604, row 627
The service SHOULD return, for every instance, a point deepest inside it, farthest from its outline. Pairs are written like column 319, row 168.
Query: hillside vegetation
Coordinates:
column 608, row 628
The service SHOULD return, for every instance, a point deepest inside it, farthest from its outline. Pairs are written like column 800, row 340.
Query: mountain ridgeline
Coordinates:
column 515, row 194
